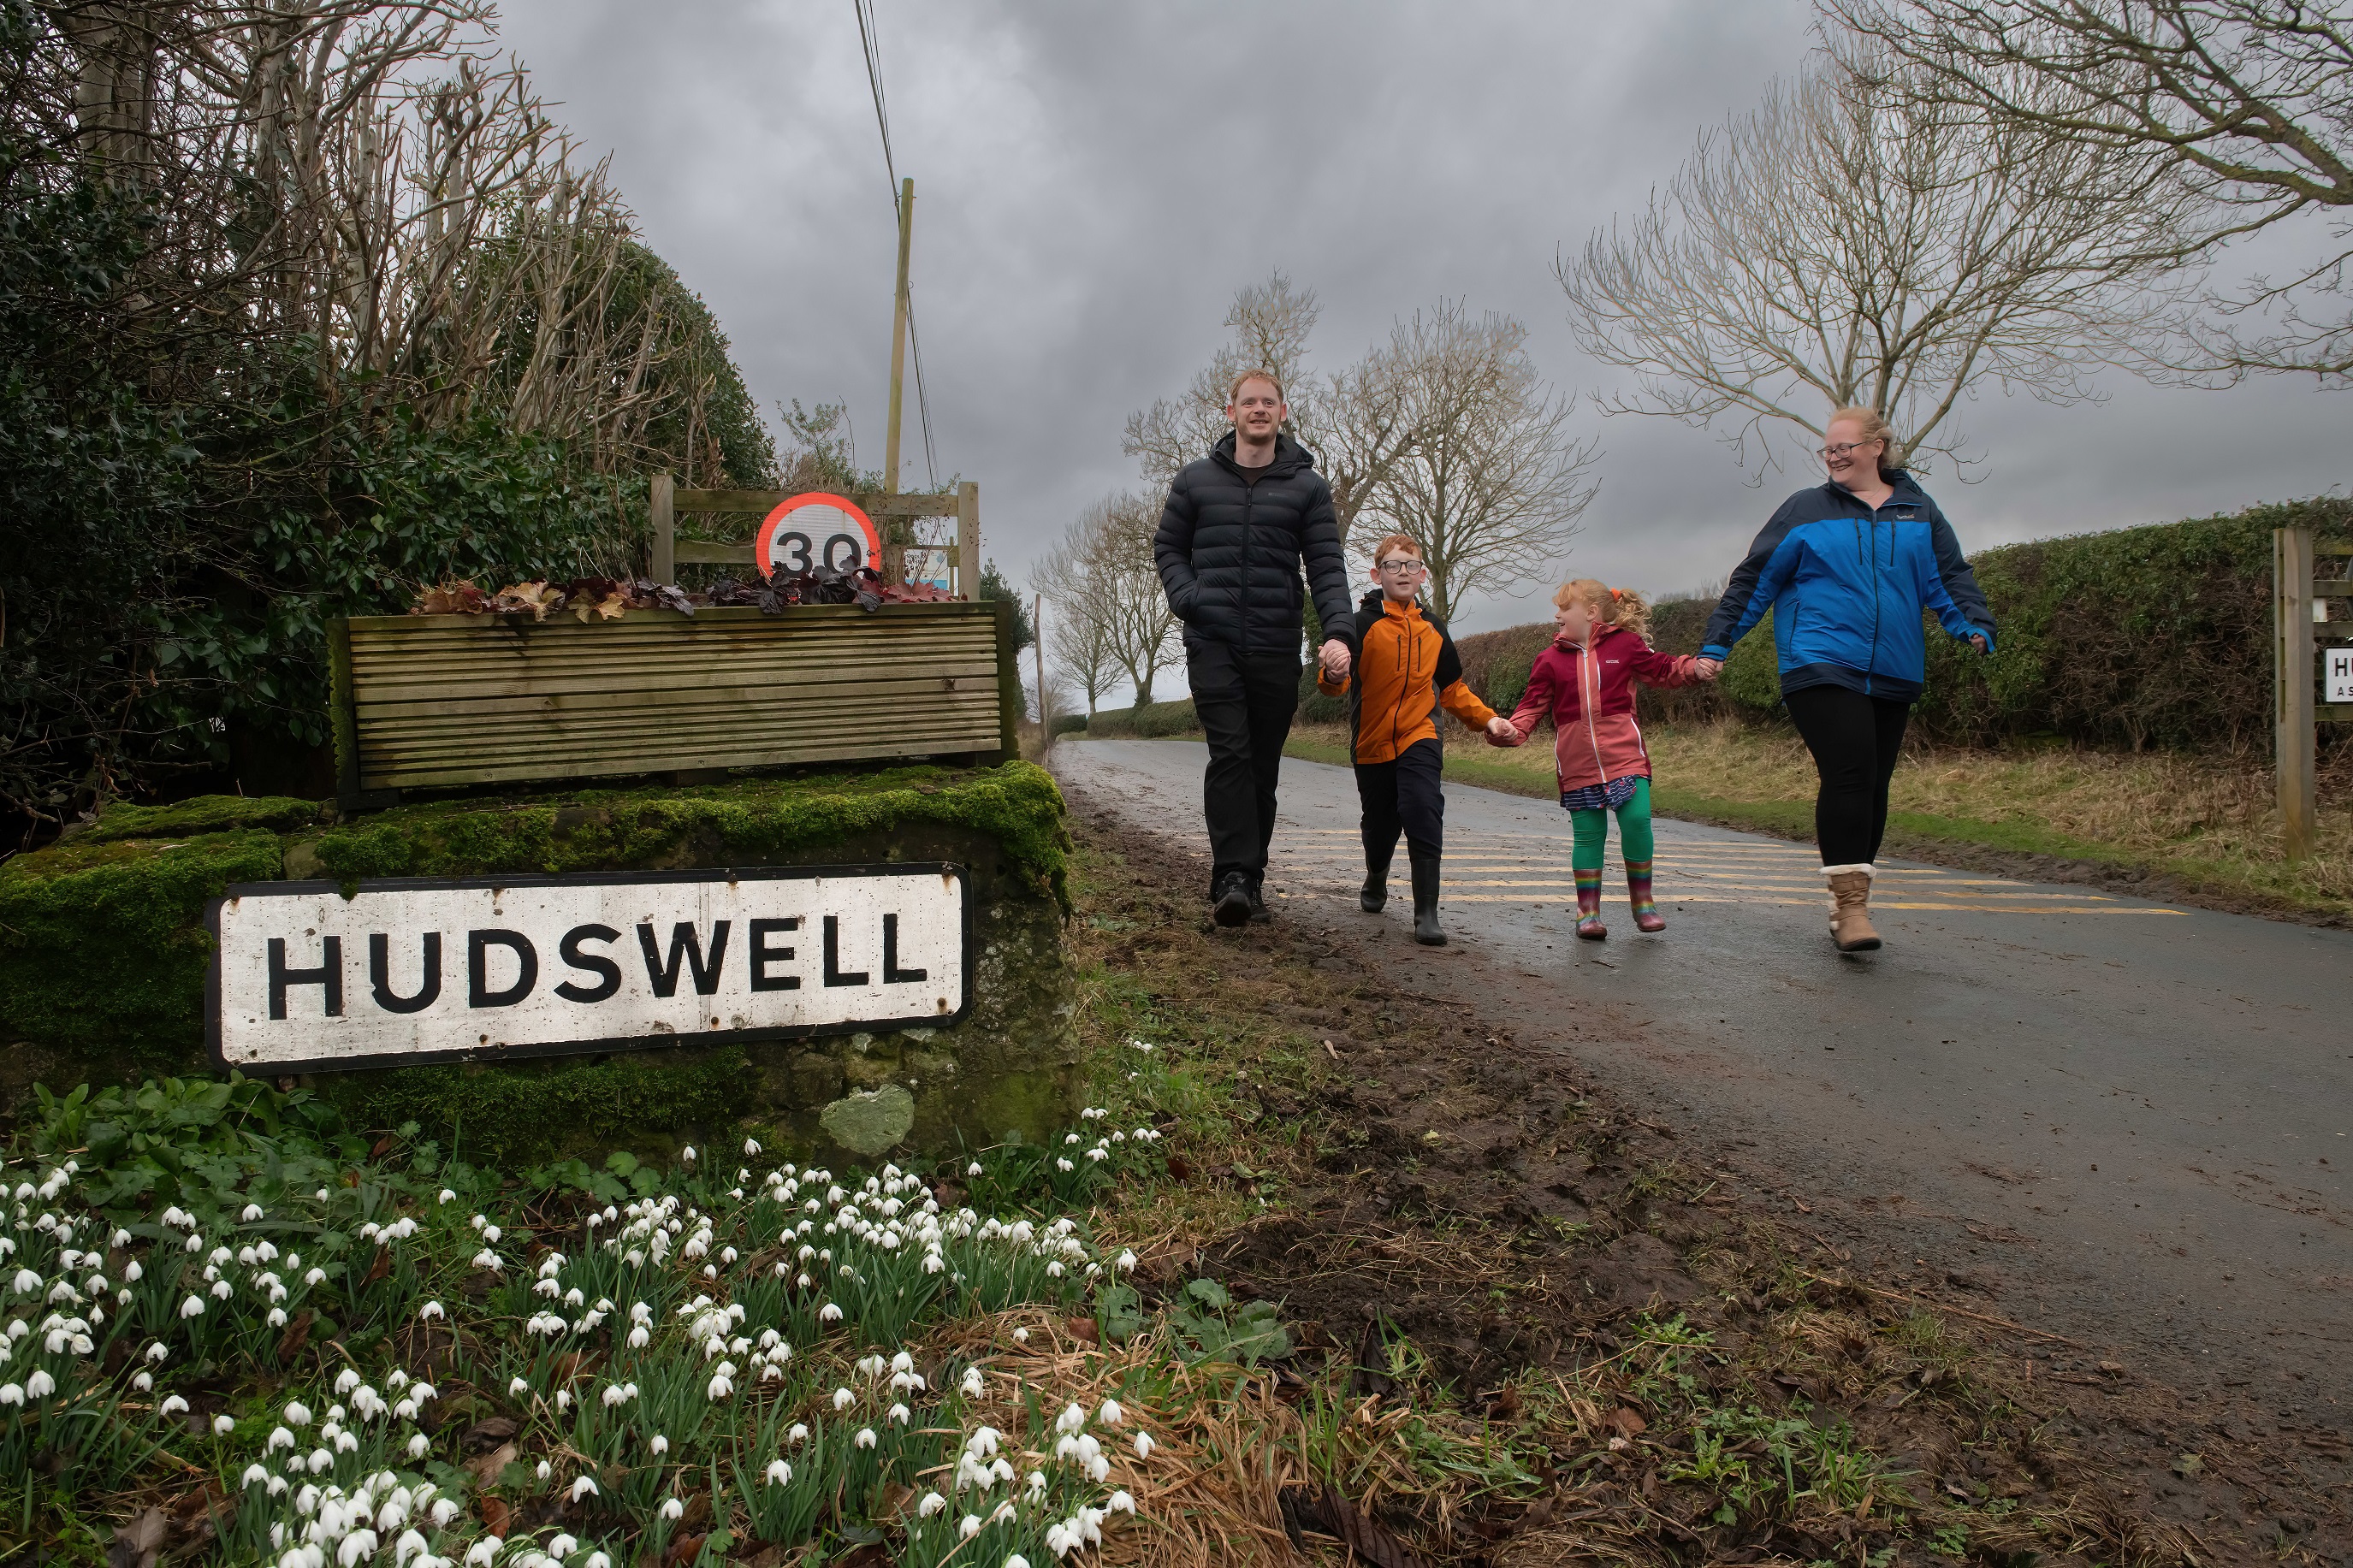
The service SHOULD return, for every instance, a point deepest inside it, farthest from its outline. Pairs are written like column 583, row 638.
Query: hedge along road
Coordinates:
column 2121, row 1121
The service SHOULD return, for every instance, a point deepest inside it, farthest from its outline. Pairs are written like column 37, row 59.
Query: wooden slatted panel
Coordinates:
column 441, row 700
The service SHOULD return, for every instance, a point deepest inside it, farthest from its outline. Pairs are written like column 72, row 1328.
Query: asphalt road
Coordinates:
column 2126, row 1121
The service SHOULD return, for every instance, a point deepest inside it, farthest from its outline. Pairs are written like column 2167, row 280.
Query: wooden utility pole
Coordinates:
column 1037, row 633
column 898, row 338
column 2294, row 741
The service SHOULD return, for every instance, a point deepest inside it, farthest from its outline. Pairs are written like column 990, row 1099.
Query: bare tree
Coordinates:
column 1493, row 481
column 2248, row 103
column 1352, row 420
column 1106, row 592
column 1846, row 242
column 1077, row 636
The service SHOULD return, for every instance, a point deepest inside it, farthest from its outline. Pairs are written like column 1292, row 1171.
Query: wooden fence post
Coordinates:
column 2294, row 747
column 662, row 563
column 967, row 562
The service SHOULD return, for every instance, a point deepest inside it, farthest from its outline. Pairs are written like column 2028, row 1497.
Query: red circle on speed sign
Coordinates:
column 816, row 528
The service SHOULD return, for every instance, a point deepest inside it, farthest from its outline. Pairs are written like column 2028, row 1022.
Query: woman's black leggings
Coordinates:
column 1855, row 740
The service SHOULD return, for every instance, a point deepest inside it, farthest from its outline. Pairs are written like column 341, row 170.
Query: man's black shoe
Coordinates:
column 1259, row 914
column 1232, row 905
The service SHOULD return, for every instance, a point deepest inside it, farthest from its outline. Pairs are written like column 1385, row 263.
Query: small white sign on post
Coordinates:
column 421, row 970
column 2337, row 669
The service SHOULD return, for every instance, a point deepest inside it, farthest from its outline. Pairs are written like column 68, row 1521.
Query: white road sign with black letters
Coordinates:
column 417, row 971
column 2336, row 668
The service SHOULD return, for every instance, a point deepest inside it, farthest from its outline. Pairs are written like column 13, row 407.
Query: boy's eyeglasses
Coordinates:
column 1403, row 566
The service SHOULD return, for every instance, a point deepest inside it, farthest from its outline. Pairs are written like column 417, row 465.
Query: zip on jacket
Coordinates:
column 1406, row 669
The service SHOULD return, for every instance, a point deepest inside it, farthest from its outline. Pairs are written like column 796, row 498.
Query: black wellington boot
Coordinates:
column 1375, row 896
column 1425, row 894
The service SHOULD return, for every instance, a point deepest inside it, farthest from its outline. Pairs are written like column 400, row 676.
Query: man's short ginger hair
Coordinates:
column 1405, row 541
column 1267, row 376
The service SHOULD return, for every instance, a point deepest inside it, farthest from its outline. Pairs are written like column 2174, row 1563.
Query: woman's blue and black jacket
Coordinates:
column 1846, row 584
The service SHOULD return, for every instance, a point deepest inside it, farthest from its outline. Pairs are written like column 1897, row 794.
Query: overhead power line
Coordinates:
column 870, row 37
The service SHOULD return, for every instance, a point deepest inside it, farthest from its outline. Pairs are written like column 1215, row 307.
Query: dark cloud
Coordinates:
column 1094, row 182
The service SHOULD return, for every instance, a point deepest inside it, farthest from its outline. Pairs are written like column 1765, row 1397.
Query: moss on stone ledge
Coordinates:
column 204, row 814
column 753, row 821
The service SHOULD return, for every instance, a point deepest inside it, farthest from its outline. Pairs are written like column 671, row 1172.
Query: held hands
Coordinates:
column 1335, row 659
column 1707, row 668
column 1976, row 641
column 1501, row 732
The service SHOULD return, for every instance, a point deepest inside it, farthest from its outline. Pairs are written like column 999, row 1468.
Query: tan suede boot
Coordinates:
column 1851, row 908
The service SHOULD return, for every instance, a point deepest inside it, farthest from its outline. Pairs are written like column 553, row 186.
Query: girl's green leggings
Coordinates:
column 1590, row 830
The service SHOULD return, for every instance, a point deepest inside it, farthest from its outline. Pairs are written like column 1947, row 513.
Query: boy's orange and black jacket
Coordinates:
column 1405, row 669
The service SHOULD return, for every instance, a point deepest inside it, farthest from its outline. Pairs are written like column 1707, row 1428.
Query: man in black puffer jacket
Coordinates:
column 1238, row 527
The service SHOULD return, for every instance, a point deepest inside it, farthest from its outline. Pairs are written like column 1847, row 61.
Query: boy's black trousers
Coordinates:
column 1245, row 703
column 1403, row 796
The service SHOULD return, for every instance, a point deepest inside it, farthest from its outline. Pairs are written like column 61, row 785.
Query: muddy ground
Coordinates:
column 1433, row 1179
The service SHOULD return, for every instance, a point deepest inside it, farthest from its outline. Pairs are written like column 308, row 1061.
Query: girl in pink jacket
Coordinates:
column 1585, row 684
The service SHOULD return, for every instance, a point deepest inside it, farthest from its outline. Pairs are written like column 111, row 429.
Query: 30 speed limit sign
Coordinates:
column 813, row 529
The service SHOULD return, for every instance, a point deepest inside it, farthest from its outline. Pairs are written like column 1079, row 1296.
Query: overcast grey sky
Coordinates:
column 1093, row 182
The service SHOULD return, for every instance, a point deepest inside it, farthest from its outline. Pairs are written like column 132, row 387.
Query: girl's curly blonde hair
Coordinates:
column 1610, row 606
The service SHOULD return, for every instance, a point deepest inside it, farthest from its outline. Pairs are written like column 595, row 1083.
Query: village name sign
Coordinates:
column 405, row 972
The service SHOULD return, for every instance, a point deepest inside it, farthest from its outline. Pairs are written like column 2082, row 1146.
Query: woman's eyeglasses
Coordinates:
column 1842, row 449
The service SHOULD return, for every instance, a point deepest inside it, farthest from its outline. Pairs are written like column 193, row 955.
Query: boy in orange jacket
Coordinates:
column 1406, row 669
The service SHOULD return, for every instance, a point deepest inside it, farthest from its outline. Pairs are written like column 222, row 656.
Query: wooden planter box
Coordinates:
column 445, row 702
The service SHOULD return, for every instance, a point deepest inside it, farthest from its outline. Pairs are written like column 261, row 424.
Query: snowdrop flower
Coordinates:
column 1144, row 1445
column 659, row 1445
column 721, row 1384
column 829, row 1313
column 968, row 1527
column 686, row 1154
column 973, row 1169
column 640, row 1337
column 562, row 1546
column 298, row 1414
column 546, row 1470
column 1109, row 1413
column 1071, row 1420
column 751, row 1145
column 1120, row 1502
column 1017, row 1561
column 865, row 1438
column 173, row 1405
column 484, row 1552
column 974, row 1385
column 431, row 1309
column 419, row 1445
column 671, row 1508
column 1022, row 1336
column 315, row 1276
column 797, row 1436
column 1126, row 1262
column 900, row 1413
column 445, row 1195
column 843, row 1399
column 444, row 1510
column 223, row 1426
column 518, row 1387
column 193, row 1307
column 932, row 1503
column 583, row 1488
column 1037, row 1484
column 779, row 1472
column 598, row 1560
column 357, row 1548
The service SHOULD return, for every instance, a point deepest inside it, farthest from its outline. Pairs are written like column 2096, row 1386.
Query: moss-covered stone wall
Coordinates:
column 103, row 955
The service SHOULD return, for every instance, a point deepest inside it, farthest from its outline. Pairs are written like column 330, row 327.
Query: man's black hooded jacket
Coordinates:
column 1230, row 551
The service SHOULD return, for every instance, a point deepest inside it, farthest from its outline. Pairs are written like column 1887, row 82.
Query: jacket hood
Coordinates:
column 1900, row 483
column 1560, row 639
column 1290, row 456
column 1376, row 601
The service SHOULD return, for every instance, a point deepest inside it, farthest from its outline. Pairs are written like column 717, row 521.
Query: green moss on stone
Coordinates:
column 750, row 822
column 204, row 814
column 870, row 1121
column 102, row 946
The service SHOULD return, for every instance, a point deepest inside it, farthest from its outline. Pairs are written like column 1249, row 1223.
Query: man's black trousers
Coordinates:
column 1855, row 740
column 1245, row 702
column 1403, row 796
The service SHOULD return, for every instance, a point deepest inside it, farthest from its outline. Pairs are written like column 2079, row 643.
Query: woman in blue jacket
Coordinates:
column 1846, row 569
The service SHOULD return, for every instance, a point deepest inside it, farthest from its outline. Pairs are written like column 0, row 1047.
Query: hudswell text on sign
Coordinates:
column 421, row 970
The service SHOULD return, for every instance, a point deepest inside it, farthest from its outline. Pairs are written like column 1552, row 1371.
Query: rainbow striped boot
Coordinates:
column 1638, row 889
column 1588, row 904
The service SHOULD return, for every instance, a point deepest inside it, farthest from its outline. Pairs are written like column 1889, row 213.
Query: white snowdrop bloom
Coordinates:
column 779, row 1473
column 221, row 1289
column 1144, row 1445
column 1071, row 1419
column 1054, row 1271
column 315, row 1276
column 582, row 1487
column 1111, row 1414
column 1037, row 1484
column 193, row 1307
column 900, row 1413
column 278, row 1438
column 1098, row 1469
column 419, row 1445
column 598, row 1560
column 410, row 1544
column 640, row 1337
column 250, row 1213
column 974, row 1385
column 1063, row 1165
column 406, row 1410
column 445, row 1510
column 173, row 1405
column 544, row 1470
column 322, row 1461
column 223, row 1426
column 346, row 1380
column 829, row 1313
column 843, row 1399
column 490, row 1232
column 871, row 1366
column 1059, row 1540
column 968, row 1527
column 686, row 1154
column 1015, row 1560
column 1118, row 1503
column 563, row 1400
column 866, row 1437
column 660, row 1445
column 1022, row 1336
column 357, row 1547
column 517, row 1387
column 576, row 1296
column 298, row 1414
column 1002, row 1469
column 12, row 1394
column 722, row 1386
column 346, row 1443
column 485, row 1551
column 751, row 1145
column 1126, row 1262
column 255, row 1475
column 612, row 1395
column 562, row 1546
column 429, row 1311
column 671, row 1508
column 195, row 1244
column 983, row 1443
column 797, row 1436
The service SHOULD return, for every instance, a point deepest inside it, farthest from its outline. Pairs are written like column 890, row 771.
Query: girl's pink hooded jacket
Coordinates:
column 1589, row 694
